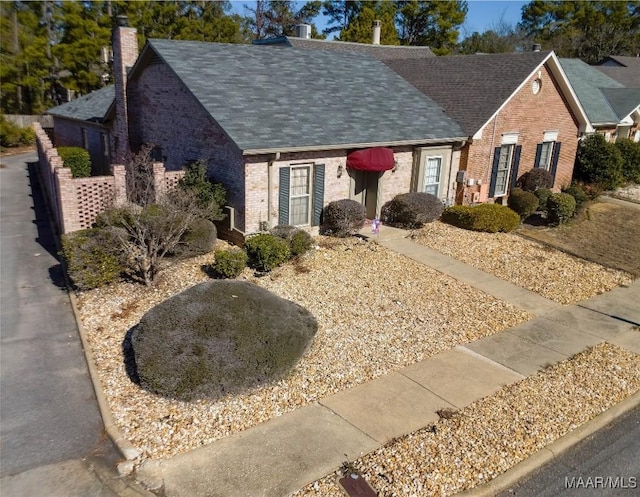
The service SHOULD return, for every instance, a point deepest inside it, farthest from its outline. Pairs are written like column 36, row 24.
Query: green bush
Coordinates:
column 12, row 135
column 229, row 263
column 211, row 196
column 560, row 208
column 630, row 152
column 484, row 217
column 299, row 240
column 266, row 251
column 578, row 193
column 343, row 218
column 218, row 338
column 542, row 194
column 522, row 202
column 535, row 179
column 599, row 162
column 412, row 210
column 77, row 159
column 198, row 239
column 93, row 257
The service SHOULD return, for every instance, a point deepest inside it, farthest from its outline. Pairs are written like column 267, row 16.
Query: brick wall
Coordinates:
column 163, row 112
column 335, row 188
column 75, row 202
column 530, row 116
column 68, row 133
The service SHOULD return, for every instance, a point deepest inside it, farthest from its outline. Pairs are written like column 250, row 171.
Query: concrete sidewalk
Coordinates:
column 283, row 454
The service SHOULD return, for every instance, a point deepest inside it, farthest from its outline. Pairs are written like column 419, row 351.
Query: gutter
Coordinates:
column 342, row 146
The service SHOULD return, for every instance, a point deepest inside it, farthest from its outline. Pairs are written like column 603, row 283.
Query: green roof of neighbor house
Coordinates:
column 587, row 82
column 92, row 107
column 623, row 101
column 270, row 99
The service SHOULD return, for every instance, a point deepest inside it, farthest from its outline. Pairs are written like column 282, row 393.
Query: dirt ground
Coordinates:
column 606, row 233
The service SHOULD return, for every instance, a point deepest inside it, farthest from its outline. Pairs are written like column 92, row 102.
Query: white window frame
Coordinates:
column 544, row 161
column 308, row 194
column 85, row 138
column 510, row 150
column 104, row 138
column 425, row 185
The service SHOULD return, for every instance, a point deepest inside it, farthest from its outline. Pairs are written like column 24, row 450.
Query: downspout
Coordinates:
column 453, row 149
column 276, row 157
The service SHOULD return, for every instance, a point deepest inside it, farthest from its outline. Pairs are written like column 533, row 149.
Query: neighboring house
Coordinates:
column 625, row 70
column 518, row 109
column 613, row 110
column 85, row 122
column 287, row 131
column 381, row 52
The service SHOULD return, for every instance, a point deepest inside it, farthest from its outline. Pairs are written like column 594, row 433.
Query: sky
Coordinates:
column 482, row 14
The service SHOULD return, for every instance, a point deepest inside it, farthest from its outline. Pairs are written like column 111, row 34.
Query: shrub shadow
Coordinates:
column 129, row 356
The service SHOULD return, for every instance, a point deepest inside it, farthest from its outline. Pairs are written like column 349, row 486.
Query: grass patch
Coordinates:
column 606, row 233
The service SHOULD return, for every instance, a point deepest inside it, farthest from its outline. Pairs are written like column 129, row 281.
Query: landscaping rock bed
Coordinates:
column 548, row 272
column 376, row 310
column 493, row 434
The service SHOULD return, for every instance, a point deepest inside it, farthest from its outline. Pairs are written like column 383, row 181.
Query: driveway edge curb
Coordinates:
column 553, row 450
column 123, row 444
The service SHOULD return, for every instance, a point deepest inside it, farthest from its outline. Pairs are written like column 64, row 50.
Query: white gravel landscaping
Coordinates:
column 377, row 312
column 548, row 272
column 493, row 434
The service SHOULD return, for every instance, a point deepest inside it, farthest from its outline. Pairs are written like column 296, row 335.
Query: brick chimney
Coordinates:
column 125, row 53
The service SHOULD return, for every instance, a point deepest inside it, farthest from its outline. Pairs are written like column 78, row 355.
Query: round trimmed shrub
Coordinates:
column 534, row 179
column 484, row 217
column 343, row 218
column 560, row 208
column 412, row 210
column 600, row 162
column 578, row 193
column 299, row 240
column 229, row 263
column 198, row 239
column 93, row 257
column 542, row 194
column 266, row 251
column 219, row 337
column 523, row 203
column 77, row 159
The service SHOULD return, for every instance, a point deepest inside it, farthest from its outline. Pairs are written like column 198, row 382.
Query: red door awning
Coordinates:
column 371, row 159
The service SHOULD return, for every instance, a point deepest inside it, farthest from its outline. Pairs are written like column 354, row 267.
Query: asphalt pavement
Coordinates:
column 606, row 464
column 51, row 431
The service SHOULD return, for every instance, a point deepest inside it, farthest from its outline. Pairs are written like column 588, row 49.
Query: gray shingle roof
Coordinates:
column 623, row 101
column 470, row 88
column 627, row 70
column 587, row 82
column 295, row 98
column 92, row 107
column 387, row 52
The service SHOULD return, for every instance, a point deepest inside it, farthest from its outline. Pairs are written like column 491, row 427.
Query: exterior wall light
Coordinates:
column 340, row 171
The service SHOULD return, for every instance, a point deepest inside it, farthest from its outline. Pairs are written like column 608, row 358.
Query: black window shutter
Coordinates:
column 554, row 161
column 494, row 172
column 516, row 165
column 283, row 209
column 318, row 193
column 536, row 163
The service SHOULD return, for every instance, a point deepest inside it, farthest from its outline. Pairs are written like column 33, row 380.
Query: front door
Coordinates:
column 365, row 190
